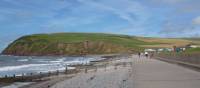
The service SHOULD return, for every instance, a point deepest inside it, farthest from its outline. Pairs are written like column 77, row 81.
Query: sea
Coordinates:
column 18, row 65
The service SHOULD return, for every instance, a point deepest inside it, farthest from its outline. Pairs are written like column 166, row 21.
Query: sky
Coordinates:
column 149, row 18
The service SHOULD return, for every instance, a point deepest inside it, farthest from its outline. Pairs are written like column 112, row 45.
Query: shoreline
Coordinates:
column 79, row 68
column 92, row 68
column 101, row 55
column 61, row 55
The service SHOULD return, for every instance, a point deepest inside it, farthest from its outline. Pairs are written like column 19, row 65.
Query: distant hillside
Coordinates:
column 166, row 42
column 85, row 43
column 73, row 44
column 194, row 40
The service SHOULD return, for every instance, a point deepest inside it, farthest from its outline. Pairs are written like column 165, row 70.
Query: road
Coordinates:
column 144, row 73
column 157, row 74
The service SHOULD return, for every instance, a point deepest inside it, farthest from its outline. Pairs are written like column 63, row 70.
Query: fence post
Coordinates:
column 57, row 72
column 40, row 76
column 131, row 64
column 22, row 76
column 14, row 76
column 96, row 69
column 116, row 66
column 31, row 76
column 49, row 73
column 6, row 76
column 66, row 69
column 105, row 67
column 86, row 70
column 124, row 64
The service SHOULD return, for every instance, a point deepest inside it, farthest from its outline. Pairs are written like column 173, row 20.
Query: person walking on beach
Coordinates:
column 146, row 54
column 139, row 54
column 151, row 56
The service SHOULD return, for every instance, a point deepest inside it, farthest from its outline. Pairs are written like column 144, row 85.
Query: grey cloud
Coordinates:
column 169, row 1
column 183, row 6
column 196, row 21
column 170, row 29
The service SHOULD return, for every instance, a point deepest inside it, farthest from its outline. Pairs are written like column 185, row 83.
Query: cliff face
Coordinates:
column 46, row 45
column 86, row 43
column 79, row 48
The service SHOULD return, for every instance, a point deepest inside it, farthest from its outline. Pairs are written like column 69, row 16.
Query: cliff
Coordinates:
column 72, row 44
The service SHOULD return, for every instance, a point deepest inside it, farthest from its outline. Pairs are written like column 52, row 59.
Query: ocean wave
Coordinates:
column 7, row 68
column 58, row 60
column 31, row 65
column 76, row 62
column 23, row 60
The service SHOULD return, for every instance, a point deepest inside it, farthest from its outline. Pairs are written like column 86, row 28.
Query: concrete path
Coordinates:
column 144, row 73
column 151, row 73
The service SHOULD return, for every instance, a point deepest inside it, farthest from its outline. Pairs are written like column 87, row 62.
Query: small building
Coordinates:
column 164, row 50
column 192, row 46
column 150, row 50
column 160, row 50
column 168, row 49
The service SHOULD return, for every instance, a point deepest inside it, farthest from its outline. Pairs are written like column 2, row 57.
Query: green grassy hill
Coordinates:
column 87, row 43
column 74, row 44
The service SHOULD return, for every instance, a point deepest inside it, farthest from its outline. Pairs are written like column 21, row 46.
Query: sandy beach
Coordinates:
column 109, row 78
column 117, row 70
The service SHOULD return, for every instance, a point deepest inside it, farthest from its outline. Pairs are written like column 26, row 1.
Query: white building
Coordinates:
column 193, row 46
column 150, row 50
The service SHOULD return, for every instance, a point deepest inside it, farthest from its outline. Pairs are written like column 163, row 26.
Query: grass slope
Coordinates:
column 73, row 44
column 99, row 43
